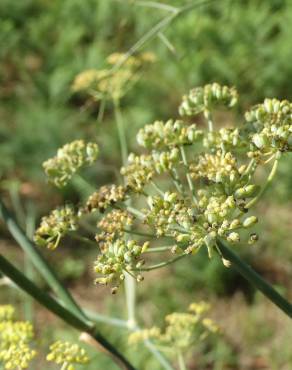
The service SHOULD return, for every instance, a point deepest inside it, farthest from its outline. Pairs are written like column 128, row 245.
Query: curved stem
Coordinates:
column 63, row 313
column 255, row 279
column 264, row 188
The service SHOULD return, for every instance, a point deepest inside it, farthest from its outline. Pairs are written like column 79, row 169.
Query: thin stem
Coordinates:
column 63, row 313
column 39, row 262
column 113, row 321
column 161, row 264
column 188, row 176
column 159, row 356
column 159, row 249
column 148, row 235
column 130, row 288
column 157, row 188
column 28, row 267
column 121, row 131
column 154, row 4
column 158, row 28
column 136, row 212
column 255, row 279
column 181, row 361
column 101, row 110
column 264, row 188
column 208, row 116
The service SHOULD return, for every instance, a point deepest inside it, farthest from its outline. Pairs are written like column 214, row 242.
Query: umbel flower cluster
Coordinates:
column 15, row 339
column 193, row 184
column 111, row 83
column 67, row 354
column 182, row 329
column 16, row 350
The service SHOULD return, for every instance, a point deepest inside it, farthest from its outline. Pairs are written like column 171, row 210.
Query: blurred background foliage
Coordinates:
column 246, row 43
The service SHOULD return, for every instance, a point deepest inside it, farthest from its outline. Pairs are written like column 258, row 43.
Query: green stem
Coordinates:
column 148, row 235
column 121, row 131
column 255, row 279
column 161, row 264
column 159, row 249
column 181, row 361
column 189, row 179
column 113, row 321
column 28, row 267
column 39, row 262
column 130, row 282
column 264, row 188
column 63, row 313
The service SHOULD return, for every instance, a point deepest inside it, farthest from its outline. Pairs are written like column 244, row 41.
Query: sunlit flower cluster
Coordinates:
column 105, row 197
column 15, row 339
column 141, row 168
column 111, row 82
column 272, row 126
column 55, row 226
column 69, row 159
column 181, row 331
column 117, row 258
column 169, row 134
column 191, row 187
column 204, row 99
column 67, row 354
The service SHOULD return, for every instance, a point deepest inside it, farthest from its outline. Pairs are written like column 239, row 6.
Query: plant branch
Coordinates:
column 255, row 279
column 63, row 313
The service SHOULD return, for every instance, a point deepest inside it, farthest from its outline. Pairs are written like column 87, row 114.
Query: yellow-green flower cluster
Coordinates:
column 106, row 196
column 172, row 133
column 53, row 227
column 68, row 355
column 112, row 83
column 141, row 168
column 15, row 337
column 7, row 313
column 215, row 216
column 272, row 123
column 203, row 99
column 113, row 225
column 225, row 139
column 189, row 189
column 182, row 330
column 69, row 159
column 117, row 258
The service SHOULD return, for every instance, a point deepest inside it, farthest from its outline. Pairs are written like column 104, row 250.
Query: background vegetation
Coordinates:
column 43, row 45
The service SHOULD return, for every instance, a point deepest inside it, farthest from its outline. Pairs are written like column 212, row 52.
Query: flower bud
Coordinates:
column 250, row 221
column 233, row 237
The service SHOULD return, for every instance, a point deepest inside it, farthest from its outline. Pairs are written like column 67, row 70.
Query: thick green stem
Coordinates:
column 255, row 279
column 39, row 262
column 63, row 313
